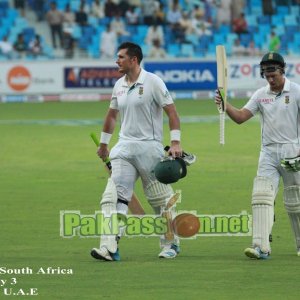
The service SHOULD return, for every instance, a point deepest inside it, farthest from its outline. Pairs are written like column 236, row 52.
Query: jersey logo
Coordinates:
column 167, row 95
column 141, row 90
column 287, row 100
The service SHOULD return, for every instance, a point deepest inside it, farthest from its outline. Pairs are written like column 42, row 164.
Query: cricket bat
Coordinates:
column 134, row 205
column 222, row 87
column 169, row 235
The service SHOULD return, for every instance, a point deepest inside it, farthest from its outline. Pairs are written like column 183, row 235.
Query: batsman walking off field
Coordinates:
column 278, row 105
column 140, row 98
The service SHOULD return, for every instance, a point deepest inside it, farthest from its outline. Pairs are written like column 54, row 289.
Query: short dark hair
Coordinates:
column 132, row 50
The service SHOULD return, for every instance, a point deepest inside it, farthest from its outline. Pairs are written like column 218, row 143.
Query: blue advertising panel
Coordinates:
column 186, row 75
column 90, row 77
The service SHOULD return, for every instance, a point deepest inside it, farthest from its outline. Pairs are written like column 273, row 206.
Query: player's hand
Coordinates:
column 103, row 152
column 218, row 99
column 175, row 149
column 291, row 164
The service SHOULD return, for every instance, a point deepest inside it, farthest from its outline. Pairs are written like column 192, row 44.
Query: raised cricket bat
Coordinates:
column 134, row 205
column 222, row 87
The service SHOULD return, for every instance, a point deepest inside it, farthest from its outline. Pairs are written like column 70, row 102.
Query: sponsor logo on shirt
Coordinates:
column 265, row 100
column 120, row 93
column 141, row 90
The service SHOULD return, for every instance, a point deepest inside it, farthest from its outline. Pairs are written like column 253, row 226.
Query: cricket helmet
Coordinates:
column 271, row 62
column 170, row 170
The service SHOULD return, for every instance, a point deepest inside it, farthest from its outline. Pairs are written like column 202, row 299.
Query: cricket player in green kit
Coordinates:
column 140, row 98
column 278, row 104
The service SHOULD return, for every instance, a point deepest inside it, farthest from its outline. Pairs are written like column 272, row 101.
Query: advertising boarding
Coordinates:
column 93, row 79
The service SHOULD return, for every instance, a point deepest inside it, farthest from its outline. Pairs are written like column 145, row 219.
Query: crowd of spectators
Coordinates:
column 164, row 18
column 20, row 49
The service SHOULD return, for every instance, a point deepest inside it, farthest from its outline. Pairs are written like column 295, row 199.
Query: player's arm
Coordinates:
column 237, row 115
column 107, row 131
column 174, row 124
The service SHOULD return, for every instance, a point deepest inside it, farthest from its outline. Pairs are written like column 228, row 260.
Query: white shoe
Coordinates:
column 169, row 251
column 256, row 253
column 104, row 254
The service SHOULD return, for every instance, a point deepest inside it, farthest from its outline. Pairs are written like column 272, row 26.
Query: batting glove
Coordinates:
column 291, row 164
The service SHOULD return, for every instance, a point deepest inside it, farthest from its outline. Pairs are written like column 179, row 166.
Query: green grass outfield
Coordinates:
column 48, row 163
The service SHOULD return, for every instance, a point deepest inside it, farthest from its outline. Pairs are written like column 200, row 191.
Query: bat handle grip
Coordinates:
column 107, row 162
column 222, row 128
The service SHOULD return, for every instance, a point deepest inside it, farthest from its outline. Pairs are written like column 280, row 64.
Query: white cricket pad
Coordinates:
column 292, row 205
column 158, row 193
column 263, row 196
column 108, row 205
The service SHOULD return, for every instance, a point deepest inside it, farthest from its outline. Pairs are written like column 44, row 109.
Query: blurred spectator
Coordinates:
column 20, row 46
column 110, row 8
column 123, row 7
column 118, row 25
column 35, row 46
column 55, row 19
column 274, row 44
column 108, row 43
column 208, row 10
column 156, row 50
column 154, row 33
column 84, row 6
column 39, row 9
column 224, row 12
column 267, row 7
column 239, row 25
column 200, row 26
column 197, row 11
column 6, row 48
column 238, row 49
column 131, row 16
column 68, row 43
column 68, row 18
column 160, row 16
column 20, row 5
column 97, row 9
column 171, row 3
column 186, row 23
column 148, row 8
column 173, row 19
column 237, row 8
column 174, row 15
column 252, row 50
column 81, row 17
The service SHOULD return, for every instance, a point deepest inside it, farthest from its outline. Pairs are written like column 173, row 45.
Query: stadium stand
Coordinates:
column 284, row 22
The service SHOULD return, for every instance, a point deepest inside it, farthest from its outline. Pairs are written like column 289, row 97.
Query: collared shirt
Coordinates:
column 141, row 106
column 279, row 113
column 54, row 17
